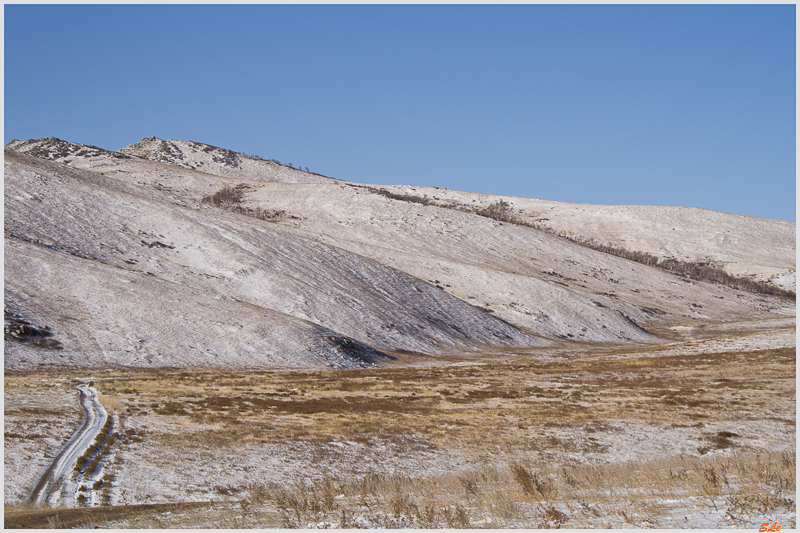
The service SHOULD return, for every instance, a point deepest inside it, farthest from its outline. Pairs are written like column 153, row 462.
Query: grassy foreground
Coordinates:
column 736, row 491
column 545, row 437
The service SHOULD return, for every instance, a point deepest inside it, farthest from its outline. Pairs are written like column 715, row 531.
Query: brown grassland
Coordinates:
column 505, row 402
column 610, row 438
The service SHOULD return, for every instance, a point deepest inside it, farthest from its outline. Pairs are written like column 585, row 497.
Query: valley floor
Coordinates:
column 700, row 432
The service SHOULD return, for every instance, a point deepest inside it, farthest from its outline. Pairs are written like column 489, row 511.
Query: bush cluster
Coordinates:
column 224, row 197
column 231, row 197
column 403, row 197
column 691, row 269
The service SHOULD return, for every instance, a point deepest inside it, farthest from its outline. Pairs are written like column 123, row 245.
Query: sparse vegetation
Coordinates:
column 259, row 158
column 92, row 456
column 264, row 214
column 231, row 198
column 55, row 148
column 52, row 246
column 638, row 494
column 499, row 210
column 450, row 405
column 693, row 270
column 575, row 496
column 563, row 434
column 423, row 200
column 225, row 197
column 19, row 517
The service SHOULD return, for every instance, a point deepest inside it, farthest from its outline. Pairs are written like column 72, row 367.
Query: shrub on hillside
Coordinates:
column 224, row 197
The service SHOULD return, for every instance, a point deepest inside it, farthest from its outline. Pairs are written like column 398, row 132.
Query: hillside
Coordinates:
column 750, row 247
column 119, row 256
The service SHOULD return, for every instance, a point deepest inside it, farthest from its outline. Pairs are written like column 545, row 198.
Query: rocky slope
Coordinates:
column 219, row 161
column 116, row 253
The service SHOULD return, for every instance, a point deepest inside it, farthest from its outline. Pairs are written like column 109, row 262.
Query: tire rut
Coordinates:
column 57, row 474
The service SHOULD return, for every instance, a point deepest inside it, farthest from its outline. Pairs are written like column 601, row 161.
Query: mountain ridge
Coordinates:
column 219, row 161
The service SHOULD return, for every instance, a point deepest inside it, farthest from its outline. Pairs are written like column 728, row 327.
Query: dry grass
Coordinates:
column 507, row 404
column 110, row 404
column 43, row 407
column 224, row 197
column 540, row 435
column 741, row 487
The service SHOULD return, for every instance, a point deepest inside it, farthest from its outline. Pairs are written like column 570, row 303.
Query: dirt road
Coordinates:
column 58, row 471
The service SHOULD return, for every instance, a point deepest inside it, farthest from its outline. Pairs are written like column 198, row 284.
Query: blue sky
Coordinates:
column 667, row 105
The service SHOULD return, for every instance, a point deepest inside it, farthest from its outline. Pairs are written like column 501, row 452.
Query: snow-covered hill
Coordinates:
column 533, row 279
column 116, row 253
column 126, row 277
column 752, row 247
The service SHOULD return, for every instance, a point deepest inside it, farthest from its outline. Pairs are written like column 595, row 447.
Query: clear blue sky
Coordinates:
column 669, row 105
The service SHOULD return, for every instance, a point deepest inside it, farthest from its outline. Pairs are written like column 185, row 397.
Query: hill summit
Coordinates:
column 219, row 161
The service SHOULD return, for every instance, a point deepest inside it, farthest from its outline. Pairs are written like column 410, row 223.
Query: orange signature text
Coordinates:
column 766, row 527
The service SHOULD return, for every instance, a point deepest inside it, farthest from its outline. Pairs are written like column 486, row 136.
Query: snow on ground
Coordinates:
column 152, row 223
column 767, row 340
column 742, row 245
column 531, row 279
column 156, row 471
column 36, row 424
column 218, row 161
column 784, row 280
column 107, row 242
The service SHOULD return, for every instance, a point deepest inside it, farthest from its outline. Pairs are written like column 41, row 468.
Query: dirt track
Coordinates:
column 57, row 473
column 70, row 518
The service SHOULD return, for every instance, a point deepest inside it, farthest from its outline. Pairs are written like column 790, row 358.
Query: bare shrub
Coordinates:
column 262, row 214
column 231, row 198
column 553, row 518
column 402, row 197
column 500, row 210
column 224, row 197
